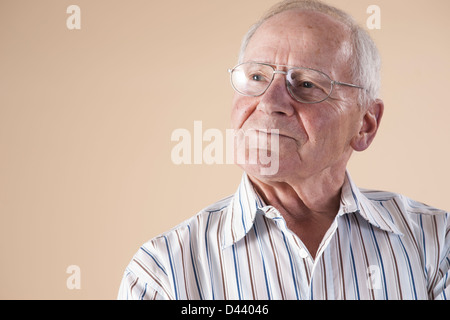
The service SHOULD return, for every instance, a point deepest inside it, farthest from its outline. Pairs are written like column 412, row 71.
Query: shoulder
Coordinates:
column 399, row 202
column 159, row 260
column 412, row 218
column 199, row 221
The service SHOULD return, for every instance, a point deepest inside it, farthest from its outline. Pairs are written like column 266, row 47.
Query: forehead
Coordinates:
column 301, row 38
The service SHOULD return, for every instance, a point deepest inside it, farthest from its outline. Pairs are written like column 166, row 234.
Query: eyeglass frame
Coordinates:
column 275, row 71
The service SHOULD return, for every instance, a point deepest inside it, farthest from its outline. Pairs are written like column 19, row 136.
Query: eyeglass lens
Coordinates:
column 305, row 85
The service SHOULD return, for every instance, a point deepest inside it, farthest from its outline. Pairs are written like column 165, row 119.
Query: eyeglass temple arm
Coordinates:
column 347, row 84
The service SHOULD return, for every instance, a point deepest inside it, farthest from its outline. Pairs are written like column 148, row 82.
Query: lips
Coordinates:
column 274, row 126
column 274, row 131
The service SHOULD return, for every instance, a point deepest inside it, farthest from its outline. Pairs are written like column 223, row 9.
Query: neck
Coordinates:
column 318, row 194
column 308, row 205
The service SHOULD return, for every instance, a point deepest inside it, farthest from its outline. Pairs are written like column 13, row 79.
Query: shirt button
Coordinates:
column 303, row 253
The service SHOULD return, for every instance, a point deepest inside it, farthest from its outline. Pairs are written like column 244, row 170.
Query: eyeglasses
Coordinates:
column 303, row 84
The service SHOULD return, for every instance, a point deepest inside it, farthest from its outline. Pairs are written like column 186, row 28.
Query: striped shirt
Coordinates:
column 380, row 246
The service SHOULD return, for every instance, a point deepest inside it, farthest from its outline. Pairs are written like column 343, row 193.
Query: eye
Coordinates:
column 257, row 77
column 307, row 84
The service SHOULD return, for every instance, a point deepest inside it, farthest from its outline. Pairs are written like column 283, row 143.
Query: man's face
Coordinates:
column 312, row 137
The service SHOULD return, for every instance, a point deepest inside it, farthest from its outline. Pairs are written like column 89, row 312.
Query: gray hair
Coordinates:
column 366, row 63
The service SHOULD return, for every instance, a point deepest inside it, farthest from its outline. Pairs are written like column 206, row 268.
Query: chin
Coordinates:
column 270, row 172
column 267, row 164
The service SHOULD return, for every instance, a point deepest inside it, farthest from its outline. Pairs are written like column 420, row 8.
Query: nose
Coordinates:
column 276, row 99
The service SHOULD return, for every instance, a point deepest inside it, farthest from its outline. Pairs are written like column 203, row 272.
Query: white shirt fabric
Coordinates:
column 381, row 245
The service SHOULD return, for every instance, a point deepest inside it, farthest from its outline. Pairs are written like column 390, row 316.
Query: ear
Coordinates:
column 369, row 126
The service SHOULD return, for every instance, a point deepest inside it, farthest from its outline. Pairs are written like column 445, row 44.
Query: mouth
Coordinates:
column 274, row 132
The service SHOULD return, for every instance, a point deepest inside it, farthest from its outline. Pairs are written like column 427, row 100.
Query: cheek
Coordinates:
column 316, row 124
column 333, row 129
column 324, row 128
column 242, row 108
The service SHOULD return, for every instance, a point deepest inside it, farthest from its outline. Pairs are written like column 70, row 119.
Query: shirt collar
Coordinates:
column 241, row 212
column 353, row 200
column 246, row 204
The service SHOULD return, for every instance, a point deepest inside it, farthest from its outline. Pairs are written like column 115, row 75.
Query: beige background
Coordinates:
column 86, row 118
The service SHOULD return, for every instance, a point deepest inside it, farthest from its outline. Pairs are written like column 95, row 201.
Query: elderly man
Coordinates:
column 309, row 75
